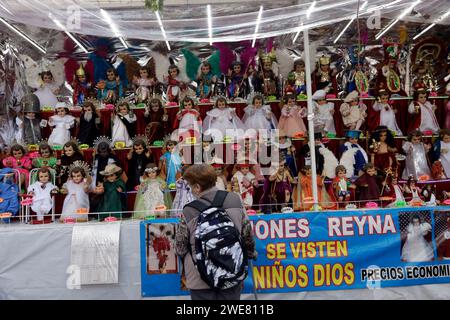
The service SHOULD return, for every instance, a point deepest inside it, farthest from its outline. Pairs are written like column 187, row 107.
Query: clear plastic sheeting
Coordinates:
column 186, row 21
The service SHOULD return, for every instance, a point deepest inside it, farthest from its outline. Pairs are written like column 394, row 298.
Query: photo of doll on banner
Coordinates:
column 160, row 251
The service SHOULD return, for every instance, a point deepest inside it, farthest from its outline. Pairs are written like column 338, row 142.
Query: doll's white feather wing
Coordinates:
column 161, row 65
column 57, row 69
column 182, row 66
column 285, row 62
column 32, row 71
column 330, row 163
column 348, row 161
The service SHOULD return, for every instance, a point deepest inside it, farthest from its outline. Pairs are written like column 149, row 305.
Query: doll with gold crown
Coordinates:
column 82, row 87
column 324, row 77
column 265, row 80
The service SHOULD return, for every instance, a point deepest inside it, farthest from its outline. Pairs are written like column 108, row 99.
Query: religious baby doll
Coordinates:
column 48, row 90
column 222, row 122
column 353, row 111
column 70, row 154
column 61, row 122
column 243, row 182
column 265, row 80
column 76, row 189
column 138, row 158
column 393, row 190
column 42, row 192
column 187, row 121
column 259, row 116
column 424, row 117
column 221, row 181
column 144, row 84
column 411, row 191
column 287, row 152
column 382, row 149
column 342, row 185
column 9, row 193
column 367, row 185
column 156, row 120
column 150, row 193
column 82, row 87
column 441, row 151
column 174, row 85
column 170, row 164
column 46, row 157
column 324, row 77
column 353, row 156
column 299, row 77
column 237, row 81
column 387, row 112
column 30, row 125
column 20, row 161
column 303, row 192
column 111, row 89
column 282, row 181
column 326, row 161
column 183, row 195
column 428, row 194
column 112, row 202
column 416, row 163
column 205, row 81
column 291, row 119
column 324, row 114
column 123, row 128
column 89, row 124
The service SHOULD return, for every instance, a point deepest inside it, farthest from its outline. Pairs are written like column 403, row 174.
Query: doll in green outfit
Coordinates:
column 113, row 202
column 150, row 195
column 46, row 157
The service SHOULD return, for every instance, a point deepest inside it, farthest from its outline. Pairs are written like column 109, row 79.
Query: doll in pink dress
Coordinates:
column 291, row 120
column 19, row 161
column 145, row 85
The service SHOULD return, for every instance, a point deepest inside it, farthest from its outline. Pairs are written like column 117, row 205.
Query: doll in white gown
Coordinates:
column 416, row 163
column 123, row 125
column 259, row 116
column 222, row 121
column 62, row 123
column 77, row 192
column 387, row 113
column 416, row 247
column 424, row 112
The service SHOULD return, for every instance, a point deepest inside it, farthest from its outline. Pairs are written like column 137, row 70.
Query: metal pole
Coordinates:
column 312, row 146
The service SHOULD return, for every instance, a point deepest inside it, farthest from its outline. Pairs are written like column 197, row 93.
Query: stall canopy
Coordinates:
column 231, row 20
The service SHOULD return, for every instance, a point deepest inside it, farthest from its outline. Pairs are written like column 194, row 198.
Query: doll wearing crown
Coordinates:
column 265, row 80
column 324, row 77
column 82, row 87
column 111, row 89
column 174, row 85
column 299, row 77
column 237, row 81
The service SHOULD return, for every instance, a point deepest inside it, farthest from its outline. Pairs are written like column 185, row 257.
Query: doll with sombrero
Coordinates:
column 218, row 165
column 112, row 202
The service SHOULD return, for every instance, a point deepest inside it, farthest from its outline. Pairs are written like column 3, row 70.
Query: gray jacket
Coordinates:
column 185, row 234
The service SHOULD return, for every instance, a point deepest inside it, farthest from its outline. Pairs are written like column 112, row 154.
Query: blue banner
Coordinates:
column 335, row 250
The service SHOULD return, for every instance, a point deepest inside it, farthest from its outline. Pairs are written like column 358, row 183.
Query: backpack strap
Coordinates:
column 198, row 205
column 219, row 199
column 217, row 202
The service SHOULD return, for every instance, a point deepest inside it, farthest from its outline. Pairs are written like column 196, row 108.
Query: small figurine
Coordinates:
column 222, row 122
column 259, row 116
column 221, row 182
column 62, row 122
column 145, row 85
column 183, row 195
column 423, row 111
column 123, row 128
column 70, row 155
column 353, row 156
column 175, row 86
column 30, row 125
column 20, row 161
column 170, row 164
column 111, row 89
column 42, row 191
column 90, row 123
column 353, row 111
column 244, row 182
column 291, row 120
column 441, row 151
column 287, row 152
column 138, row 159
column 237, row 81
column 416, row 163
column 282, row 181
column 387, row 112
column 341, row 185
column 299, row 77
column 156, row 118
column 367, row 184
column 46, row 157
column 324, row 114
column 324, row 77
column 187, row 121
column 82, row 87
column 205, row 81
column 265, row 80
column 411, row 191
column 383, row 149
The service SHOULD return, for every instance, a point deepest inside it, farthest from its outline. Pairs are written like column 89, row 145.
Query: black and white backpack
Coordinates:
column 220, row 256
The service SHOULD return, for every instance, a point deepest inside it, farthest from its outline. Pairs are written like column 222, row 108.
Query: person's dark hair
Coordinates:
column 18, row 147
column 368, row 166
column 389, row 137
column 340, row 168
column 415, row 133
column 74, row 146
column 45, row 146
column 202, row 174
